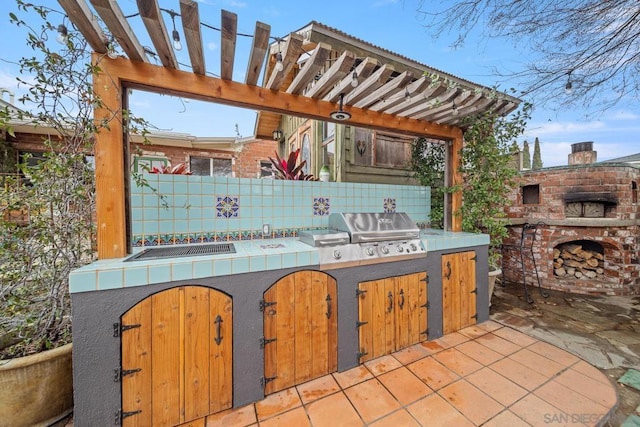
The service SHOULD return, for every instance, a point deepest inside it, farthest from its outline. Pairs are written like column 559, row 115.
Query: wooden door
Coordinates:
column 300, row 329
column 458, row 291
column 392, row 314
column 411, row 315
column 176, row 357
column 376, row 318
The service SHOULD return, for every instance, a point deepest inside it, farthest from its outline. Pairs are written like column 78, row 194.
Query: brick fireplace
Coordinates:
column 588, row 238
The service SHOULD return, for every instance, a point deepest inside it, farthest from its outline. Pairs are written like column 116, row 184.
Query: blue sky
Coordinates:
column 390, row 24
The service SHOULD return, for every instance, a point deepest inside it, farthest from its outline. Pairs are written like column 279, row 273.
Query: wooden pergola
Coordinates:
column 393, row 93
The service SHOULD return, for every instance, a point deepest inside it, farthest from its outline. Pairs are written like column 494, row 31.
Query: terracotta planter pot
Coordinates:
column 36, row 390
column 493, row 275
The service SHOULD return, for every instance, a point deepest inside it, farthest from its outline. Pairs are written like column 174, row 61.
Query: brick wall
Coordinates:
column 246, row 158
column 617, row 232
column 248, row 162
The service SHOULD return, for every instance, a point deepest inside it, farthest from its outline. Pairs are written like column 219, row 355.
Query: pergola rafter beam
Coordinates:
column 81, row 16
column 193, row 35
column 153, row 22
column 228, row 37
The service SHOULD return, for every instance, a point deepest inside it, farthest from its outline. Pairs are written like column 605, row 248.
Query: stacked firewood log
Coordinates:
column 573, row 261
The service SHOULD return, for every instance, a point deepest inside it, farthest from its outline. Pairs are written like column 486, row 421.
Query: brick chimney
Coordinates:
column 582, row 154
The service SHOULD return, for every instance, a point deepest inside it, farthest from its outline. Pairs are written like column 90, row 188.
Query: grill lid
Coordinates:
column 319, row 238
column 374, row 226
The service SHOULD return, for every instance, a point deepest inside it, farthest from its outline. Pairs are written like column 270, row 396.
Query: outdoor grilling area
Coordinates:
column 274, row 313
column 211, row 292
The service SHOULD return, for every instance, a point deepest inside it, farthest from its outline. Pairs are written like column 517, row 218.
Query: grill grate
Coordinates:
column 183, row 251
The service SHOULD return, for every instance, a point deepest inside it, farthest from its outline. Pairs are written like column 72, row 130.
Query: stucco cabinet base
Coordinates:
column 332, row 297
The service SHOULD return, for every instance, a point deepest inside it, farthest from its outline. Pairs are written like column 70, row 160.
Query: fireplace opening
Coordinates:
column 579, row 259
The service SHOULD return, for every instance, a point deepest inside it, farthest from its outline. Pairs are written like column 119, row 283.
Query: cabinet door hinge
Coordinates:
column 425, row 332
column 264, row 341
column 118, row 373
column 360, row 292
column 122, row 415
column 265, row 380
column 426, row 279
column 359, row 323
column 361, row 354
column 475, row 316
column 118, row 329
column 426, row 305
column 264, row 304
column 475, row 291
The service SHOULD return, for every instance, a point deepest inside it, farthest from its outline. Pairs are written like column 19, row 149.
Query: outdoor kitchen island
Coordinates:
column 174, row 339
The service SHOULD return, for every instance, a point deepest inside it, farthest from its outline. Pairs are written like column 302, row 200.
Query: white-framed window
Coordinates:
column 266, row 169
column 305, row 153
column 328, row 130
column 146, row 163
column 209, row 166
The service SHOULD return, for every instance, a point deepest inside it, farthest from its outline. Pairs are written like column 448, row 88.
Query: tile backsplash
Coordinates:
column 179, row 209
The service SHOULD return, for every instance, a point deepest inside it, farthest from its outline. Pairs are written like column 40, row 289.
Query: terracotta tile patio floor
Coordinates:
column 488, row 374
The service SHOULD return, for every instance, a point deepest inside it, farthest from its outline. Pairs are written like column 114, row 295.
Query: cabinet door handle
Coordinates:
column 328, row 300
column 401, row 303
column 448, row 275
column 390, row 296
column 218, row 322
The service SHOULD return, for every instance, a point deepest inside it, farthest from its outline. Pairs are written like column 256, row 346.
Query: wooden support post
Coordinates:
column 455, row 178
column 109, row 163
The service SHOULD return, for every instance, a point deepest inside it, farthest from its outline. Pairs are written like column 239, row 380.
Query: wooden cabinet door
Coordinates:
column 176, row 357
column 376, row 322
column 300, row 329
column 458, row 291
column 392, row 314
column 411, row 313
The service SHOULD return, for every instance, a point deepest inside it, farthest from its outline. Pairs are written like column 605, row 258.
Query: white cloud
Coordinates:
column 614, row 135
column 624, row 115
column 213, row 46
column 555, row 128
column 8, row 81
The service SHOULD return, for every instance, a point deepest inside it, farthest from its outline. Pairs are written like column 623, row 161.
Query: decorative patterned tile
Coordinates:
column 389, row 205
column 321, row 206
column 227, row 206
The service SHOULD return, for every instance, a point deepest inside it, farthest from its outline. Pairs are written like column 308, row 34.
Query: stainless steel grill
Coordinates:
column 365, row 238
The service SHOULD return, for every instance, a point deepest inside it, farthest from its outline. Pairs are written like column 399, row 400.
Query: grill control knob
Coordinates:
column 413, row 247
column 370, row 251
column 337, row 254
column 385, row 250
column 400, row 248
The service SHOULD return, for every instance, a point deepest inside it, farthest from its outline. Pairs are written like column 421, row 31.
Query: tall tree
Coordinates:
column 537, row 159
column 526, row 156
column 591, row 47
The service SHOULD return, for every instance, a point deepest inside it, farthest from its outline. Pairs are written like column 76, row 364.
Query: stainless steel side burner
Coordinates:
column 365, row 238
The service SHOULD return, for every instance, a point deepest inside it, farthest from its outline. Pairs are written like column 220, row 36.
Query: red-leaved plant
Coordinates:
column 287, row 169
column 179, row 169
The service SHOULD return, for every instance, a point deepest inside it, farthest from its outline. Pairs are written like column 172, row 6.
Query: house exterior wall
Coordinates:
column 31, row 142
column 360, row 155
column 246, row 158
column 617, row 231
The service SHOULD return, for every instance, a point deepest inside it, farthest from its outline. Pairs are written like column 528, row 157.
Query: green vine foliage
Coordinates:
column 428, row 163
column 47, row 205
column 488, row 169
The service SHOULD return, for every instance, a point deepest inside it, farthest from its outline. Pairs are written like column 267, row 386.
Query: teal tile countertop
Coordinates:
column 250, row 256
